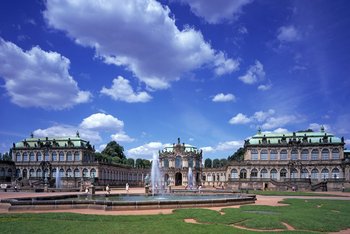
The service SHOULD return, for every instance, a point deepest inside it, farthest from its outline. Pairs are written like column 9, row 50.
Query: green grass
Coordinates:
column 290, row 193
column 305, row 215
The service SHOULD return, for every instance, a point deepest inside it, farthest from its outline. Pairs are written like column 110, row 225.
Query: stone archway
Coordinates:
column 178, row 178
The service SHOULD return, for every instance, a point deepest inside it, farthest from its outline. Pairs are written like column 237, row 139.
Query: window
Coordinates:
column 178, row 162
column 25, row 156
column 283, row 155
column 85, row 172
column 273, row 155
column 31, row 157
column 39, row 156
column 61, row 173
column 31, row 173
column 273, row 174
column 38, row 173
column 254, row 173
column 283, row 173
column 190, row 162
column 61, row 155
column 314, row 174
column 325, row 173
column 335, row 173
column 234, row 174
column 54, row 156
column 294, row 154
column 304, row 154
column 314, row 154
column 69, row 173
column 69, row 156
column 93, row 173
column 325, row 154
column 166, row 163
column 47, row 156
column 264, row 173
column 76, row 172
column 54, row 171
column 304, row 173
column 243, row 174
column 294, row 173
column 18, row 157
column 335, row 154
column 254, row 153
column 263, row 154
column 76, row 156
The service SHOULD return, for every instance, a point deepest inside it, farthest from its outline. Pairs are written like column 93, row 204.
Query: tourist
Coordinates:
column 16, row 189
column 86, row 190
column 127, row 187
column 199, row 188
column 108, row 190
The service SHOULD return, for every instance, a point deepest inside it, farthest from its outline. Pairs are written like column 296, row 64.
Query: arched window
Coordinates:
column 314, row 174
column 69, row 156
column 166, row 163
column 325, row 154
column 314, row 154
column 273, row 174
column 178, row 162
column 18, row 172
column 234, row 174
column 47, row 156
column 294, row 154
column 39, row 156
column 264, row 173
column 31, row 173
column 54, row 156
column 9, row 172
column 254, row 173
column 54, row 171
column 243, row 174
column 304, row 154
column 190, row 162
column 335, row 154
column 76, row 172
column 294, row 173
column 2, row 172
column 31, row 157
column 69, row 173
column 38, row 173
column 85, row 173
column 335, row 173
column 76, row 156
column 284, row 155
column 325, row 173
column 283, row 173
column 263, row 154
column 61, row 155
column 46, row 173
column 93, row 173
column 273, row 155
column 61, row 173
column 304, row 173
column 18, row 157
column 25, row 156
column 254, row 153
column 25, row 173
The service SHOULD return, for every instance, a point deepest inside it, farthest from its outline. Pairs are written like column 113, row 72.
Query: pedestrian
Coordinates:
column 108, row 190
column 127, row 187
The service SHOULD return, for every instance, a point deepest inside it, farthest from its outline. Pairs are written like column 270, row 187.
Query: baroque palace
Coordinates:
column 300, row 160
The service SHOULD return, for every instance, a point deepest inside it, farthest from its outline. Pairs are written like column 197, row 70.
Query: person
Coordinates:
column 343, row 188
column 199, row 188
column 108, row 190
column 127, row 187
column 86, row 190
column 16, row 189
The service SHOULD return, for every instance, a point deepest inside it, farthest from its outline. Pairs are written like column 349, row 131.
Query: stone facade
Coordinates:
column 175, row 163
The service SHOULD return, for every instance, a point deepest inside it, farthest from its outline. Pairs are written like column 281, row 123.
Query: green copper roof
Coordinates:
column 188, row 148
column 52, row 142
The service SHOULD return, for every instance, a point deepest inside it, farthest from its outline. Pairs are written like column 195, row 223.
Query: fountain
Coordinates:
column 58, row 178
column 190, row 178
column 156, row 176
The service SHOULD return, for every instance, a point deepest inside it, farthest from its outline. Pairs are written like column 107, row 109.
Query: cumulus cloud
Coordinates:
column 223, row 146
column 121, row 137
column 139, row 35
column 254, row 74
column 265, row 119
column 239, row 119
column 36, row 78
column 264, row 87
column 121, row 90
column 317, row 127
column 216, row 11
column 224, row 97
column 280, row 130
column 146, row 150
column 288, row 34
column 102, row 121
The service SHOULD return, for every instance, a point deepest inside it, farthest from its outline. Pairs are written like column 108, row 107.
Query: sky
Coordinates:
column 146, row 72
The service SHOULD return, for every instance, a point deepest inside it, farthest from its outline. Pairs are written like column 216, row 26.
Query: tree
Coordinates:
column 113, row 149
column 147, row 163
column 208, row 163
column 139, row 163
column 130, row 162
column 216, row 163
column 223, row 162
column 238, row 155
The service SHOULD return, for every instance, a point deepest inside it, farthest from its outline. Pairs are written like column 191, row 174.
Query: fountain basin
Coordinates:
column 125, row 202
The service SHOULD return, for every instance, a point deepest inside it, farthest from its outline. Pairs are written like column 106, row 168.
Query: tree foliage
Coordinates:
column 216, row 163
column 113, row 149
column 208, row 163
column 237, row 156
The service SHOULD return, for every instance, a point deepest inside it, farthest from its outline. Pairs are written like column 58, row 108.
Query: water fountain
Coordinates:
column 156, row 176
column 190, row 178
column 58, row 178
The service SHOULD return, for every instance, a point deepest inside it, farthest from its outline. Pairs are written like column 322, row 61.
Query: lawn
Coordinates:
column 306, row 216
column 290, row 193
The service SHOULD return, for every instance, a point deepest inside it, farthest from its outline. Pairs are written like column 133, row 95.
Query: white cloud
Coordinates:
column 139, row 35
column 264, row 87
column 101, row 147
column 280, row 130
column 207, row 149
column 223, row 146
column 68, row 131
column 317, row 127
column 261, row 116
column 121, row 90
column 276, row 122
column 239, row 119
column 102, row 121
column 121, row 137
column 224, row 97
column 36, row 78
column 146, row 150
column 347, row 142
column 254, row 74
column 216, row 11
column 288, row 34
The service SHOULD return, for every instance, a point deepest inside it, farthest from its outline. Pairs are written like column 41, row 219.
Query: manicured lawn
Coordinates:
column 289, row 193
column 304, row 215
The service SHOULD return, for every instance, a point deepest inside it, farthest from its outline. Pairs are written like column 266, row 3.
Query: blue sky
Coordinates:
column 145, row 72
